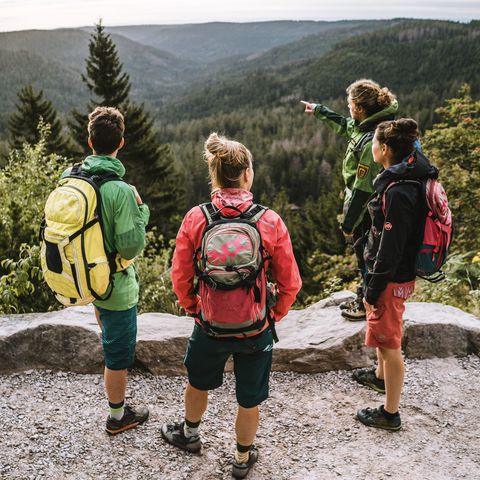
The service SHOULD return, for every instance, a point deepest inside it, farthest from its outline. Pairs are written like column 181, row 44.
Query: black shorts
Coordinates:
column 252, row 359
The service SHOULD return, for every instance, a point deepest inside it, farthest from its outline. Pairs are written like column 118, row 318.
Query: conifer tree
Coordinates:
column 149, row 163
column 23, row 124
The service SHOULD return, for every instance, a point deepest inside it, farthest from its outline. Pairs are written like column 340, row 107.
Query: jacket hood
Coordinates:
column 103, row 164
column 388, row 113
column 414, row 167
column 239, row 198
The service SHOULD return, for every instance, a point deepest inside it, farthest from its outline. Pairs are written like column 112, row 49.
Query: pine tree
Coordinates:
column 23, row 124
column 149, row 163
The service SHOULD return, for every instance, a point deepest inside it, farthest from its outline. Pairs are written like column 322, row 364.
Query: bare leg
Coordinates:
column 195, row 403
column 246, row 425
column 115, row 384
column 394, row 376
column 97, row 316
column 380, row 373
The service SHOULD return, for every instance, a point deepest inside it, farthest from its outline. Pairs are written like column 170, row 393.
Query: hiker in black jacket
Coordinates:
column 398, row 211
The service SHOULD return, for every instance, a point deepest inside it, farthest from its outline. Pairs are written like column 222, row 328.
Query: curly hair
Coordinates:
column 368, row 95
column 400, row 135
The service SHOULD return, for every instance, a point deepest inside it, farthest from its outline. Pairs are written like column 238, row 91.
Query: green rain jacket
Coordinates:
column 358, row 168
column 124, row 225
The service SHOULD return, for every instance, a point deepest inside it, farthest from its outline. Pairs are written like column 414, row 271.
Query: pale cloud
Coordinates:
column 41, row 14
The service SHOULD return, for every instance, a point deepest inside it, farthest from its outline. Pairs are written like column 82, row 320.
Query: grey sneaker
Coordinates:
column 131, row 419
column 173, row 434
column 375, row 417
column 240, row 470
column 368, row 377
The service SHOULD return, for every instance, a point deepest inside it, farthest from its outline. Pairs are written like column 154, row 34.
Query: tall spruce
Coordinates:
column 23, row 124
column 150, row 164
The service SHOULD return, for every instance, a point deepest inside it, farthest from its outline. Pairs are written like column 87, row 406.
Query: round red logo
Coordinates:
column 388, row 226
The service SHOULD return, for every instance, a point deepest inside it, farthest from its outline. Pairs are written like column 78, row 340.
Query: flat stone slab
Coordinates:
column 316, row 339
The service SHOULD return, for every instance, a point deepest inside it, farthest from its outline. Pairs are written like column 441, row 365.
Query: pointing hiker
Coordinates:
column 123, row 220
column 229, row 245
column 398, row 213
column 368, row 105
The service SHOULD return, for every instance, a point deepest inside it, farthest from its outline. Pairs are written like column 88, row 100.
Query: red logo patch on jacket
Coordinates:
column 388, row 226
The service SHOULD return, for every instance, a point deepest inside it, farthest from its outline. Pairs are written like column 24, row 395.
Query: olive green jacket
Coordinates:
column 124, row 224
column 358, row 168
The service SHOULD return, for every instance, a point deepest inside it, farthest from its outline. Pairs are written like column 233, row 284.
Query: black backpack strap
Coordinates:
column 76, row 169
column 209, row 212
column 367, row 137
column 254, row 213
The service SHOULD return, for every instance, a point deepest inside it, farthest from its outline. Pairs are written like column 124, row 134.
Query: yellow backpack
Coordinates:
column 73, row 256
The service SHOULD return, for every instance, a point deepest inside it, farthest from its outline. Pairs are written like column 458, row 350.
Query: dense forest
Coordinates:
column 248, row 88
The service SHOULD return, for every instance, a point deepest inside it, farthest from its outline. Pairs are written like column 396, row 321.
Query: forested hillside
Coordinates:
column 422, row 60
column 252, row 96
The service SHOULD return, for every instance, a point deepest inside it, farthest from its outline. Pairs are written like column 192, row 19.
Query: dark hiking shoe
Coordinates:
column 347, row 304
column 355, row 313
column 131, row 419
column 240, row 470
column 173, row 434
column 375, row 417
column 368, row 377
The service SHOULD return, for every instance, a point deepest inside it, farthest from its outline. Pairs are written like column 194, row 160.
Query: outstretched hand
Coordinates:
column 309, row 107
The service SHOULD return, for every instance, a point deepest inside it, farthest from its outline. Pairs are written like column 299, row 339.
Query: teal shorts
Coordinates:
column 119, row 336
column 252, row 362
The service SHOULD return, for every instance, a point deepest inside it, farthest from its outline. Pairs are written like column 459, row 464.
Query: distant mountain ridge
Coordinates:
column 434, row 56
column 209, row 42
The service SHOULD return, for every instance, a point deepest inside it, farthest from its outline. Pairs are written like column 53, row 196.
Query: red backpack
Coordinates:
column 437, row 233
column 230, row 267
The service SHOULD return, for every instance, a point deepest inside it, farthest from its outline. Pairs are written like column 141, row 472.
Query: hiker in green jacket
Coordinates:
column 369, row 104
column 124, row 218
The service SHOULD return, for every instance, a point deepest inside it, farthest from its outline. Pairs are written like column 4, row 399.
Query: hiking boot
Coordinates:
column 130, row 419
column 347, row 304
column 356, row 313
column 174, row 435
column 375, row 417
column 368, row 377
column 240, row 470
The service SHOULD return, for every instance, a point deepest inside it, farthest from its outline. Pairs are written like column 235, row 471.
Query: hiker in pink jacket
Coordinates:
column 228, row 246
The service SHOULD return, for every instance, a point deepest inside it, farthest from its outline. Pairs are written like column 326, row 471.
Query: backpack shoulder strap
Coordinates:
column 399, row 182
column 367, row 137
column 255, row 212
column 209, row 212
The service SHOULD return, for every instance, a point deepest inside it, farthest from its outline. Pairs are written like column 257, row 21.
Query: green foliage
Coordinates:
column 454, row 146
column 153, row 268
column 22, row 289
column 331, row 273
column 461, row 288
column 25, row 183
column 150, row 164
column 32, row 108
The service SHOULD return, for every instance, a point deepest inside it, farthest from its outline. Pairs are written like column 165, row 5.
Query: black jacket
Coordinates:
column 395, row 237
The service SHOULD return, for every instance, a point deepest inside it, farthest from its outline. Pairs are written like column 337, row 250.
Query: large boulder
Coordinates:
column 316, row 339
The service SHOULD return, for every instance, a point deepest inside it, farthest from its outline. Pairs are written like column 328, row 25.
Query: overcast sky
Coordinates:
column 44, row 14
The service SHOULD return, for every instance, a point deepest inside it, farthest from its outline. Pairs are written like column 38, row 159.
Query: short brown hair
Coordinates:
column 227, row 160
column 370, row 96
column 106, row 127
column 400, row 135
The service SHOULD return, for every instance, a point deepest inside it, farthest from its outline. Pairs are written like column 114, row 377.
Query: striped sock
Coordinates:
column 190, row 429
column 242, row 453
column 116, row 409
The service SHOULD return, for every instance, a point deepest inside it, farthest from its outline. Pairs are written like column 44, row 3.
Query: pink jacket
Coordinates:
column 275, row 239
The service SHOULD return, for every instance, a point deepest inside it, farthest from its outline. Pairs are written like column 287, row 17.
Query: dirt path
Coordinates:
column 52, row 428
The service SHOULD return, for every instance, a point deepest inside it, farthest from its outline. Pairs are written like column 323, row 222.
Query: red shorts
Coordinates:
column 385, row 322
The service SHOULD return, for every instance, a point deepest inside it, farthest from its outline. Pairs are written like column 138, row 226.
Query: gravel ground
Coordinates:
column 52, row 428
